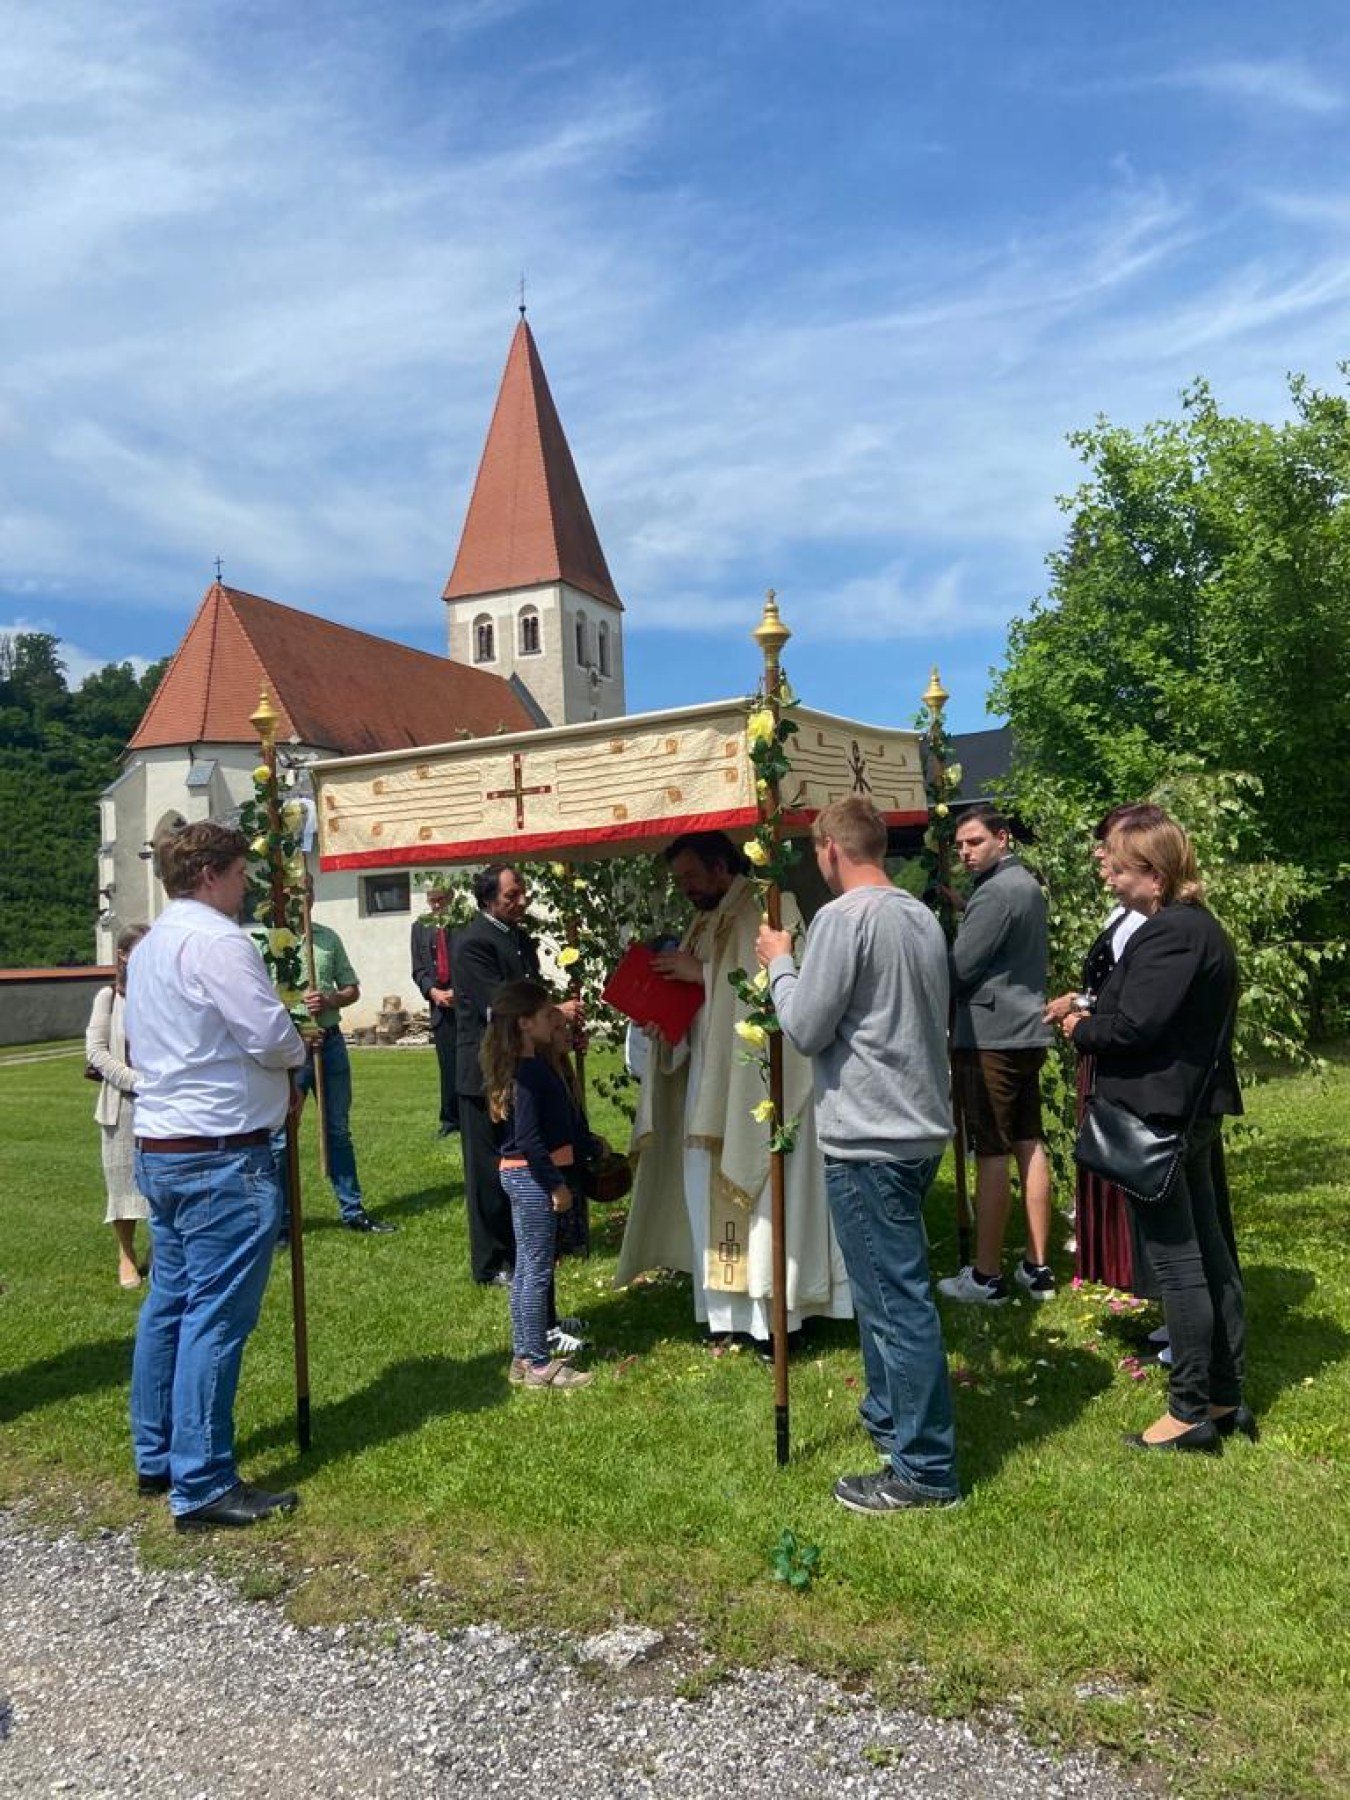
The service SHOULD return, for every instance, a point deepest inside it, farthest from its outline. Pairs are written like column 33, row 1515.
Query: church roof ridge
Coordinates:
column 528, row 522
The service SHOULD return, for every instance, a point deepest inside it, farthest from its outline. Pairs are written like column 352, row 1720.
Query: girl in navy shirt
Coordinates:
column 543, row 1141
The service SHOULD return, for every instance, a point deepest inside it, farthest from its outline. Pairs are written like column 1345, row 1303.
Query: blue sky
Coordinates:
column 820, row 290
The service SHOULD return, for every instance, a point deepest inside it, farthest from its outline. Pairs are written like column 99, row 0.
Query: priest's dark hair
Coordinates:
column 711, row 848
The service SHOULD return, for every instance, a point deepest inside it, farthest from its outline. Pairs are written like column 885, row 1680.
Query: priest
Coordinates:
column 701, row 1190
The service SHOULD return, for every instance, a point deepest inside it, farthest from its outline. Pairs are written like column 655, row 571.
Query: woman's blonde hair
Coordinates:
column 1160, row 847
column 501, row 1052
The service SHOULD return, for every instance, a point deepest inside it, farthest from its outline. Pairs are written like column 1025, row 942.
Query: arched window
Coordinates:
column 529, row 631
column 602, row 637
column 484, row 640
column 583, row 641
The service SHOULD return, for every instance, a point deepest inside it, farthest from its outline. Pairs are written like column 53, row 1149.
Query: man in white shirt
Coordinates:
column 213, row 1049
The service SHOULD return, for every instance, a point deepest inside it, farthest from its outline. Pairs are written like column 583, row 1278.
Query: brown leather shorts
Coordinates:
column 999, row 1093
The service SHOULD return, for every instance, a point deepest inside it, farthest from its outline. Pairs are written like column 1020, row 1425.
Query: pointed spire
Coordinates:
column 528, row 522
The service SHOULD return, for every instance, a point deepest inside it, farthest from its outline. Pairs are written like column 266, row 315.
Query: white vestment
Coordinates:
column 701, row 1198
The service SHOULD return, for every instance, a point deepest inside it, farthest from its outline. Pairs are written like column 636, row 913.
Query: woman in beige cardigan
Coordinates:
column 105, row 1048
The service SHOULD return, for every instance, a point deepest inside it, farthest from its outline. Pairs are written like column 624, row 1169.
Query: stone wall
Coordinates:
column 37, row 1005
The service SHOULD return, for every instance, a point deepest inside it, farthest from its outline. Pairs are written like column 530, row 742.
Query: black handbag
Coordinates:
column 1141, row 1159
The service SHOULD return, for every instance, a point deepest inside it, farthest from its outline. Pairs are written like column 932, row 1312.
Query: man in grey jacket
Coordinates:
column 869, row 1006
column 999, row 1039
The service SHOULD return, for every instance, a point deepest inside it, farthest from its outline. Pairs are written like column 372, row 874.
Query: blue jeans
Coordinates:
column 213, row 1221
column 337, row 1108
column 878, row 1219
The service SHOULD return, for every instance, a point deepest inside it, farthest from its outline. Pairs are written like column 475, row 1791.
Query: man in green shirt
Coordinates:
column 336, row 986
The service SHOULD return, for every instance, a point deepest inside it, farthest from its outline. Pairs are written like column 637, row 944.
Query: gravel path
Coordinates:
column 118, row 1680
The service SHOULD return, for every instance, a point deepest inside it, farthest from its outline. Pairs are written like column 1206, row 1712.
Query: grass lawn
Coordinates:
column 1189, row 1610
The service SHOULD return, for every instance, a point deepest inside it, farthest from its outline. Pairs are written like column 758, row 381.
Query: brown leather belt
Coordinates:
column 197, row 1146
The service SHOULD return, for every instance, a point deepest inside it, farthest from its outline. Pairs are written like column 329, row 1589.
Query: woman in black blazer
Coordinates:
column 1159, row 1016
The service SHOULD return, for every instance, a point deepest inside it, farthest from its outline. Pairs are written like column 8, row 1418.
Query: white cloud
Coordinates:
column 1282, row 83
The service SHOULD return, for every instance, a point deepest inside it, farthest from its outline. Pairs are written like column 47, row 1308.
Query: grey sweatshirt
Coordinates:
column 869, row 1006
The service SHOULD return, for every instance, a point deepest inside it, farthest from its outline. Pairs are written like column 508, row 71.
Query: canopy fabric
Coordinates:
column 601, row 789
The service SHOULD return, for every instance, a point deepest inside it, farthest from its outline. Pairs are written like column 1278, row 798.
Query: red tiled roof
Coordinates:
column 335, row 688
column 528, row 522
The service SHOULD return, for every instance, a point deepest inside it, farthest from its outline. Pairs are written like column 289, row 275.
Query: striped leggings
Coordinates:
column 536, row 1228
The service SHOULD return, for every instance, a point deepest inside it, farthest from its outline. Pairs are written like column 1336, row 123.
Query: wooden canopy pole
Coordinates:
column 265, row 722
column 935, row 697
column 771, row 634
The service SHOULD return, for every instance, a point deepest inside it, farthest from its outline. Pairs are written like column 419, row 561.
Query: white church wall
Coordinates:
column 379, row 944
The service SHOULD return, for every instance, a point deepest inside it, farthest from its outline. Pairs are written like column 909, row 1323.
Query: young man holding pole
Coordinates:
column 213, row 1049
column 869, row 1006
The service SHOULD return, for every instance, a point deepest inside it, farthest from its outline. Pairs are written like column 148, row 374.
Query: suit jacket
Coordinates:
column 484, row 956
column 1159, row 1016
column 998, row 963
column 424, row 963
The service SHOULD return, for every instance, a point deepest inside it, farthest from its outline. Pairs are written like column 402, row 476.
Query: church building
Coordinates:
column 535, row 638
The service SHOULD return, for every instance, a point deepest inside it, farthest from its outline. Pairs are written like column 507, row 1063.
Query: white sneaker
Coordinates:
column 564, row 1343
column 969, row 1291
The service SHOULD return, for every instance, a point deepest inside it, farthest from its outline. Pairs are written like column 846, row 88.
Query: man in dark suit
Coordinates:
column 431, row 972
column 492, row 949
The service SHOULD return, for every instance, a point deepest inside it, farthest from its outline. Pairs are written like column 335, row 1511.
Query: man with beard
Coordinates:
column 701, row 1191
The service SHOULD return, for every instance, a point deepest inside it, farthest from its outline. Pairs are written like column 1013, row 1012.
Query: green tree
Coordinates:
column 58, row 750
column 1201, row 607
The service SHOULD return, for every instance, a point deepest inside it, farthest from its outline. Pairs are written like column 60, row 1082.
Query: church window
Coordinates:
column 484, row 640
column 382, row 894
column 602, row 636
column 583, row 644
column 529, row 632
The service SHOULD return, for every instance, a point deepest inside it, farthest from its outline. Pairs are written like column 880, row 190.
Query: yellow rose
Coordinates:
column 953, row 775
column 262, row 774
column 756, row 853
column 762, row 788
column 292, row 813
column 760, row 727
column 558, row 869
column 259, row 846
column 290, row 997
column 763, row 1113
column 281, row 940
column 941, row 810
column 579, row 883
column 568, row 956
column 754, row 1035
column 761, row 981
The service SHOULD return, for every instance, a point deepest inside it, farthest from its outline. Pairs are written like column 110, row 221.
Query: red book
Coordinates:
column 636, row 990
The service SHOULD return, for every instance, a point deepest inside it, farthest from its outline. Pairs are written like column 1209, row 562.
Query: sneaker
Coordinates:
column 885, row 1492
column 572, row 1325
column 1159, row 1338
column 1165, row 1357
column 557, row 1374
column 1037, row 1278
column 518, row 1370
column 971, row 1289
column 562, row 1342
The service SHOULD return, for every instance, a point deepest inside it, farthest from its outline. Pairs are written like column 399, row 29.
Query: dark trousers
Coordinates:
column 492, row 1243
column 1188, row 1237
column 443, row 1036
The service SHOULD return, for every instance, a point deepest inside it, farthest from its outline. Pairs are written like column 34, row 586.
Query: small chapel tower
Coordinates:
column 530, row 594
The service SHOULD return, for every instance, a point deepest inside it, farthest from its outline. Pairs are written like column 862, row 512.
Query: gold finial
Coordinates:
column 935, row 696
column 266, row 720
column 771, row 633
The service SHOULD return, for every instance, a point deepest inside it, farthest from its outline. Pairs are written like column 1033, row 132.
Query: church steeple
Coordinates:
column 528, row 521
column 530, row 593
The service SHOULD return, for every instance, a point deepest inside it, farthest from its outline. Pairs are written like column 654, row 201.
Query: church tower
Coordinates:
column 530, row 594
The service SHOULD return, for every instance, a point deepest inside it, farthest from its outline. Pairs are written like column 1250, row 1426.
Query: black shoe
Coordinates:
column 150, row 1486
column 1242, row 1419
column 1203, row 1437
column 884, row 1492
column 446, row 1130
column 242, row 1505
column 362, row 1221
